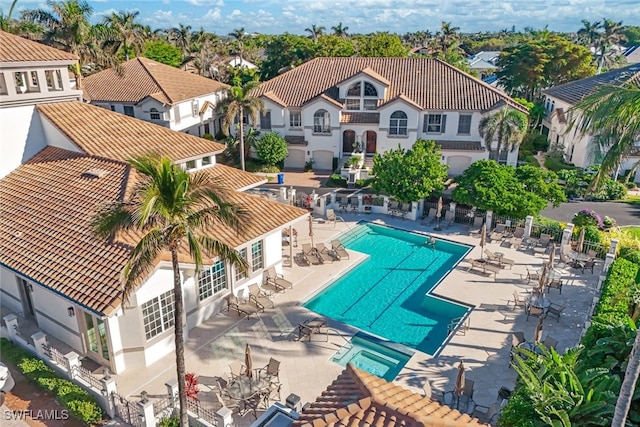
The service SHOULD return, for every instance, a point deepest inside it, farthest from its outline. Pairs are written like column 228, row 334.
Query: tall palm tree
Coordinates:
column 612, row 112
column 172, row 211
column 628, row 385
column 339, row 30
column 129, row 35
column 239, row 102
column 589, row 35
column 7, row 22
column 507, row 127
column 315, row 31
column 181, row 38
column 611, row 36
column 67, row 27
column 239, row 36
column 447, row 36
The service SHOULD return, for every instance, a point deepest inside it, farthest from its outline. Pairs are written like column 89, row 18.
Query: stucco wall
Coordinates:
column 22, row 137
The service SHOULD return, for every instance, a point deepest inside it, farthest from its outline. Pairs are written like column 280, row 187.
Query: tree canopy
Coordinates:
column 381, row 44
column 163, row 52
column 410, row 175
column 541, row 182
column 490, row 186
column 271, row 148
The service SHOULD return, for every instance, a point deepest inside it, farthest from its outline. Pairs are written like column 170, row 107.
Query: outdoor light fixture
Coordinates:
column 71, row 311
column 143, row 397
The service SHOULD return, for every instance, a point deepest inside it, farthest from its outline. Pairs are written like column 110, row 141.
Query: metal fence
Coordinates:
column 554, row 232
column 510, row 224
column 464, row 215
column 195, row 407
column 56, row 356
column 162, row 408
column 129, row 412
column 87, row 376
column 596, row 249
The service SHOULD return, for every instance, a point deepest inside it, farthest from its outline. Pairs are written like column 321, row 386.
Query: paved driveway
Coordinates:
column 623, row 213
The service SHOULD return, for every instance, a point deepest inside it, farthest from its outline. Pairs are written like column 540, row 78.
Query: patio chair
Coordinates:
column 332, row 217
column 320, row 253
column 518, row 233
column 236, row 370
column 323, row 249
column 343, row 205
column 476, row 230
column 591, row 253
column 271, row 370
column 556, row 284
column 550, row 342
column 242, row 308
column 500, row 260
column 276, row 280
column 534, row 311
column 564, row 260
column 339, row 249
column 301, row 258
column 313, row 326
column 532, row 275
column 223, row 390
column 449, row 218
column 556, row 310
column 544, row 240
column 430, row 217
column 404, row 210
column 260, row 296
column 497, row 233
column 587, row 265
column 310, row 251
column 516, row 300
column 393, row 208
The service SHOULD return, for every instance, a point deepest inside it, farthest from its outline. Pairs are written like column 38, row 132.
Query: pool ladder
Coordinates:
column 348, row 346
column 453, row 325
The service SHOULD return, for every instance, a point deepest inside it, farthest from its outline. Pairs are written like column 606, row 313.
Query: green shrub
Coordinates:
column 364, row 183
column 336, row 180
column 631, row 185
column 519, row 411
column 271, row 148
column 308, row 166
column 170, row 422
column 84, row 409
column 630, row 254
column 556, row 163
column 208, row 136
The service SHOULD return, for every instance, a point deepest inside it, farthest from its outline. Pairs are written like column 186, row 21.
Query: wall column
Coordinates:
column 528, row 225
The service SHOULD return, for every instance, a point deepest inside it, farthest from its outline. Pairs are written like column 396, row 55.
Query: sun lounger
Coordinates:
column 243, row 308
column 501, row 261
column 260, row 296
column 497, row 233
column 320, row 254
column 275, row 281
column 331, row 216
column 310, row 251
column 430, row 217
column 313, row 326
column 485, row 267
column 478, row 223
column 339, row 250
column 322, row 250
column 449, row 219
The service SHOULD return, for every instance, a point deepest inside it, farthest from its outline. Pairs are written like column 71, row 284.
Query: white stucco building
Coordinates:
column 57, row 274
column 580, row 149
column 160, row 94
column 328, row 106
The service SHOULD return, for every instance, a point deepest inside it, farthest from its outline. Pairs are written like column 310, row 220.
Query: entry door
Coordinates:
column 27, row 300
column 348, row 141
column 96, row 340
column 372, row 138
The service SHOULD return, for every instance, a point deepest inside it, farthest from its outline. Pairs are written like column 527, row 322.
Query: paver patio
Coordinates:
column 305, row 366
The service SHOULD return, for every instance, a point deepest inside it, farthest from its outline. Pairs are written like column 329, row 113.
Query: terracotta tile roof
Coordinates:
column 359, row 399
column 403, row 98
column 358, row 117
column 430, row 83
column 295, row 140
column 461, row 145
column 100, row 132
column 142, row 77
column 574, row 91
column 45, row 208
column 235, row 178
column 18, row 49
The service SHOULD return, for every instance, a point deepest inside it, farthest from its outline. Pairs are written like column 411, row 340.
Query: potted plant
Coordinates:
column 608, row 223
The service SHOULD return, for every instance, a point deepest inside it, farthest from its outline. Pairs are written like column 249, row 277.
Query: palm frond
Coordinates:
column 141, row 260
column 111, row 219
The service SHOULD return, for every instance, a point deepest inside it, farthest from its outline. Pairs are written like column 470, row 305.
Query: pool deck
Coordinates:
column 305, row 367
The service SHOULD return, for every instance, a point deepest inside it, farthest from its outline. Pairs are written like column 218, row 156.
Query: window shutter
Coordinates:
column 424, row 124
column 444, row 123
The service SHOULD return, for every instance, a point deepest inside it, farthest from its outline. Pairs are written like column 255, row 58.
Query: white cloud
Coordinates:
column 213, row 14
column 216, row 3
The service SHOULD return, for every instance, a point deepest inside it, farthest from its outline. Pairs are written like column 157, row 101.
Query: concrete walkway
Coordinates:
column 305, row 366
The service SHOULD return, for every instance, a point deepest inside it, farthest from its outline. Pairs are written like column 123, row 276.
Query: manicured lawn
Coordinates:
column 633, row 200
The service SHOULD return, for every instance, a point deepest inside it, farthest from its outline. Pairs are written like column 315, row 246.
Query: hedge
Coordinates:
column 80, row 403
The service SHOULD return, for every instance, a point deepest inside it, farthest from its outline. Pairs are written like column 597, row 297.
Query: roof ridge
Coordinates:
column 153, row 77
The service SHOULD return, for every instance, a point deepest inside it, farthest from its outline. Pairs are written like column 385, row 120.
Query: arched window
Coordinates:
column 155, row 114
column 321, row 122
column 361, row 97
column 354, row 90
column 370, row 90
column 398, row 123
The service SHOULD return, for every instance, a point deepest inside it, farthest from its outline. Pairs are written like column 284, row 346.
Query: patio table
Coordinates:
column 578, row 257
column 538, row 301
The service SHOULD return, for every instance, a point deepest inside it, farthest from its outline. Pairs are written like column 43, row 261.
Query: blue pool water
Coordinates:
column 372, row 356
column 388, row 294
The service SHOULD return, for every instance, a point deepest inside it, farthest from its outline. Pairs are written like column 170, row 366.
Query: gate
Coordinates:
column 127, row 411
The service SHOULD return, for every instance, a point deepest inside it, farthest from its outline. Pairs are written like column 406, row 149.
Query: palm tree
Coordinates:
column 612, row 112
column 507, row 127
column 628, row 385
column 172, row 211
column 589, row 35
column 315, row 31
column 67, row 27
column 239, row 35
column 612, row 36
column 129, row 34
column 339, row 30
column 447, row 36
column 239, row 102
column 180, row 37
column 6, row 22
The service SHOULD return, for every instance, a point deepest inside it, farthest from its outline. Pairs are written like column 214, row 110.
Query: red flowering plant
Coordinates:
column 191, row 385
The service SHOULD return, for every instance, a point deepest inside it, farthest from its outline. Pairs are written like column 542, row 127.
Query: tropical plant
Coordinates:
column 239, row 36
column 446, row 38
column 129, row 36
column 589, row 35
column 586, row 217
column 611, row 36
column 628, row 385
column 239, row 102
column 171, row 210
column 507, row 128
column 410, row 175
column 315, row 31
column 7, row 23
column 340, row 30
column 163, row 52
column 612, row 110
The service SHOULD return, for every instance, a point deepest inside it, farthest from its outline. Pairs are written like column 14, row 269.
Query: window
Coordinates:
column 195, row 108
column 157, row 314
column 155, row 114
column 128, row 111
column 239, row 274
column 256, row 256
column 398, row 123
column 434, row 123
column 295, row 119
column 53, row 80
column 113, row 107
column 265, row 120
column 212, row 281
column 321, row 122
column 464, row 124
column 206, row 160
column 361, row 97
column 191, row 164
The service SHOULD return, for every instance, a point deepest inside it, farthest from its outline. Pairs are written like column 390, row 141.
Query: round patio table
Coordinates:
column 579, row 257
column 539, row 301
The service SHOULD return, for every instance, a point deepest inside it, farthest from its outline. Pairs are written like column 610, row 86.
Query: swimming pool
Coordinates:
column 388, row 294
column 370, row 355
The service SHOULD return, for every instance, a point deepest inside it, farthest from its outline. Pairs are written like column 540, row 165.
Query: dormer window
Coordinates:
column 361, row 96
column 155, row 114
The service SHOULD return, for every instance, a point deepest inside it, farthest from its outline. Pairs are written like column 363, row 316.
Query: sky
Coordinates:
column 363, row 16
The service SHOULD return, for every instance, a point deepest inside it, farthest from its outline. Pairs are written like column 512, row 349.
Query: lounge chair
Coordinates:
column 320, row 252
column 430, row 217
column 323, row 249
column 534, row 311
column 393, row 208
column 544, row 241
column 449, row 218
column 555, row 311
column 344, row 204
column 301, row 258
column 404, row 210
column 518, row 233
column 236, row 370
column 260, row 296
column 476, row 230
column 313, row 326
column 339, row 250
column 485, row 267
column 497, row 233
column 271, row 370
column 532, row 275
column 310, row 251
column 516, row 300
column 331, row 216
column 276, row 280
column 500, row 260
column 242, row 308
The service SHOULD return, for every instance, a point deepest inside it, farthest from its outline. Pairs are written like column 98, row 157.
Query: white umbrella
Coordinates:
column 551, row 256
column 483, row 240
column 460, row 380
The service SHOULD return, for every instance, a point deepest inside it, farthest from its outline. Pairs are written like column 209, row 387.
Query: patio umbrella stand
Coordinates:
column 438, row 214
column 311, row 229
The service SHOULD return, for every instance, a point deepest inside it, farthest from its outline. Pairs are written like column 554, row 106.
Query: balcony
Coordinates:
column 296, row 140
